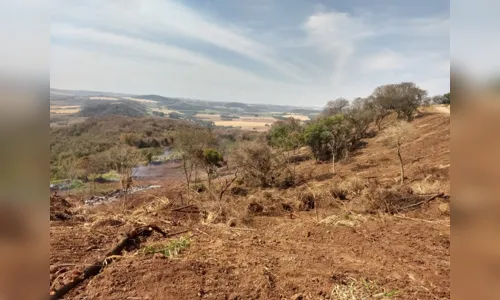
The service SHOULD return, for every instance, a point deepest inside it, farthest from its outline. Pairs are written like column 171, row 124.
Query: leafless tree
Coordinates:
column 190, row 144
column 124, row 160
column 395, row 137
column 336, row 106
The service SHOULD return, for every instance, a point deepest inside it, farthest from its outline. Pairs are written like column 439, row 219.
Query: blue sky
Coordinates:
column 299, row 52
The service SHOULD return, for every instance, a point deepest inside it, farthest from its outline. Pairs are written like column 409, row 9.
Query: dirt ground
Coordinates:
column 330, row 252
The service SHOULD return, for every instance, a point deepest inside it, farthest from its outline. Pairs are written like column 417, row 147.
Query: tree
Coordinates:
column 395, row 137
column 360, row 115
column 336, row 106
column 190, row 144
column 287, row 137
column 442, row 99
column 70, row 169
column 124, row 159
column 258, row 162
column 447, row 98
column 211, row 161
column 403, row 98
column 317, row 136
column 95, row 165
column 329, row 138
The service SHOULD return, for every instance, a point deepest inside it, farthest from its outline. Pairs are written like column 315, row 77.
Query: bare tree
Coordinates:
column 395, row 137
column 258, row 162
column 95, row 165
column 124, row 160
column 190, row 143
column 222, row 186
column 70, row 170
column 336, row 106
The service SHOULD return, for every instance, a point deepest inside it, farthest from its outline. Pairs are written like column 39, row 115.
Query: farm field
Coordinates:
column 64, row 109
column 247, row 123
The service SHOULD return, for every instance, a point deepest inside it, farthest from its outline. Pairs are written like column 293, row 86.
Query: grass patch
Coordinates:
column 360, row 290
column 171, row 249
column 111, row 176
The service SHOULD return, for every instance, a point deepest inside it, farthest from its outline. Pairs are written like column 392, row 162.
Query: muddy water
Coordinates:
column 159, row 169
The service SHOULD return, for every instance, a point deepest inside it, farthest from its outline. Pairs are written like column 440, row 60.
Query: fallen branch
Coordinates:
column 423, row 201
column 202, row 232
column 423, row 220
column 183, row 207
column 131, row 240
column 244, row 229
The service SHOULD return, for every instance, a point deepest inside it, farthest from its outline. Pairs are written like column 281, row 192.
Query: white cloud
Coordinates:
column 336, row 35
column 173, row 18
column 127, row 46
column 386, row 60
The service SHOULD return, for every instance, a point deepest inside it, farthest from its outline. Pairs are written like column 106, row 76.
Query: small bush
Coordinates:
column 199, row 187
column 268, row 195
column 255, row 208
column 239, row 191
column 307, row 201
column 338, row 193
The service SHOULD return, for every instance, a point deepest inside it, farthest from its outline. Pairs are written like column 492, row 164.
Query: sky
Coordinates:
column 298, row 52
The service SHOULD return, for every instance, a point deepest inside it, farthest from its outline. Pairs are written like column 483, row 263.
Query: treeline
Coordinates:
column 331, row 136
column 113, row 108
column 87, row 140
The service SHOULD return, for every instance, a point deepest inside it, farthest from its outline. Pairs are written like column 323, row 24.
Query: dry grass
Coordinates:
column 426, row 187
column 141, row 100
column 248, row 123
column 63, row 109
column 298, row 117
column 353, row 185
column 360, row 289
column 103, row 98
column 347, row 219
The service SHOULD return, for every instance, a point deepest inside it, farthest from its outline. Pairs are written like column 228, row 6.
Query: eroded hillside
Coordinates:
column 357, row 234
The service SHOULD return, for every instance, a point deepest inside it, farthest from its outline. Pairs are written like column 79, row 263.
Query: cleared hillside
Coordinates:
column 303, row 242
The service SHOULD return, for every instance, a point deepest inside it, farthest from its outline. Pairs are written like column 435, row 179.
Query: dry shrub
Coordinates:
column 213, row 212
column 239, row 191
column 426, row 187
column 353, row 185
column 255, row 208
column 391, row 200
column 299, row 158
column 338, row 192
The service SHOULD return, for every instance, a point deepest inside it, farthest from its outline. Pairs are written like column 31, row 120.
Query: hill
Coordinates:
column 355, row 234
column 114, row 108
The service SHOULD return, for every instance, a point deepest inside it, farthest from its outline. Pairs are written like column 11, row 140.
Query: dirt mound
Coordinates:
column 59, row 208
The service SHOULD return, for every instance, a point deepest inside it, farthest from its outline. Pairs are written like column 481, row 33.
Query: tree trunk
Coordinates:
column 333, row 161
column 401, row 164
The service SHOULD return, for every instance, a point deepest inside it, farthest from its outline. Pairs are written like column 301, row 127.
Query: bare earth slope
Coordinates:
column 277, row 255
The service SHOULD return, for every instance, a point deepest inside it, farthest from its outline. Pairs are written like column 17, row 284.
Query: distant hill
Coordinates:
column 83, row 93
column 113, row 108
column 181, row 104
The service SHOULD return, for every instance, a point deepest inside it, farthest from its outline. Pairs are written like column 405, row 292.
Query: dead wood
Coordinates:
column 183, row 207
column 244, row 229
column 423, row 201
column 130, row 241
